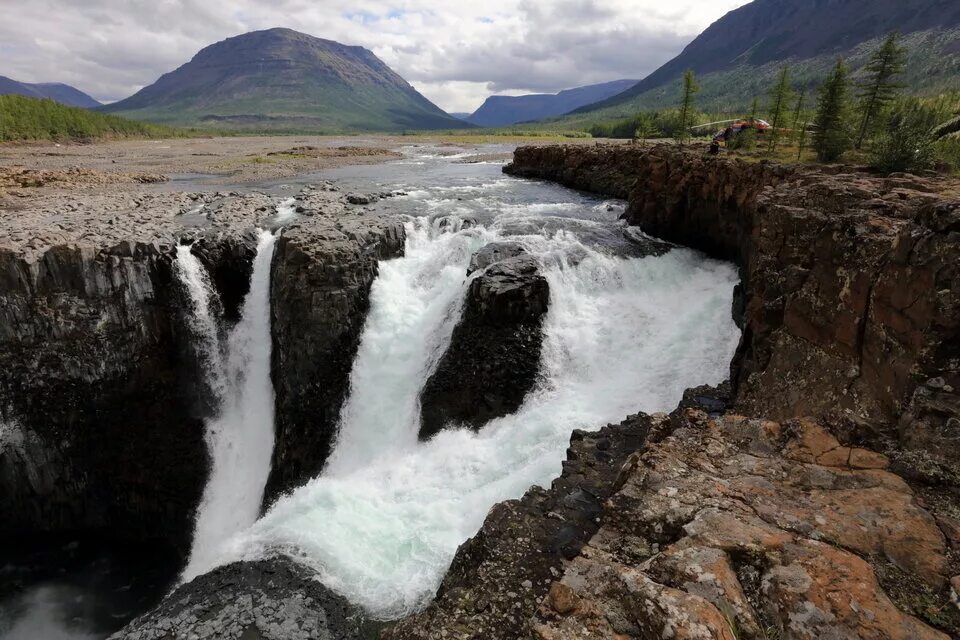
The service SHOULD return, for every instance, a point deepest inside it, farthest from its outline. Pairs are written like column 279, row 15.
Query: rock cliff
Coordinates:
column 103, row 403
column 323, row 268
column 849, row 301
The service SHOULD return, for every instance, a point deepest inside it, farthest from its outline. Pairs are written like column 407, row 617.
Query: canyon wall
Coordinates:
column 849, row 301
column 322, row 273
column 104, row 401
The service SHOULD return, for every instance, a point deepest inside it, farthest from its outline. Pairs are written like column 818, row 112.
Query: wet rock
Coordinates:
column 525, row 541
column 265, row 600
column 493, row 358
column 494, row 252
column 356, row 198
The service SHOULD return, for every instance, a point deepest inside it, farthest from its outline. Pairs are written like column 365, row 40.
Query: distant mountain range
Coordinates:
column 737, row 57
column 62, row 93
column 283, row 80
column 499, row 111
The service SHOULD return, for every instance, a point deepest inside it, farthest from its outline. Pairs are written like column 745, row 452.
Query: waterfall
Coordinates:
column 240, row 437
column 382, row 523
column 415, row 305
column 204, row 324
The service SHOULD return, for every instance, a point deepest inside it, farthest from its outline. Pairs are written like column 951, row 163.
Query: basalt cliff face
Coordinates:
column 104, row 402
column 849, row 302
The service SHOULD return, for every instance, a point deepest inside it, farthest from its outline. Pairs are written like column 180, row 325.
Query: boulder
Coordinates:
column 273, row 599
column 493, row 358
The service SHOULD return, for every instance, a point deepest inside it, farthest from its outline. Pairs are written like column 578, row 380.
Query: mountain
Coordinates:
column 62, row 93
column 282, row 80
column 737, row 56
column 500, row 111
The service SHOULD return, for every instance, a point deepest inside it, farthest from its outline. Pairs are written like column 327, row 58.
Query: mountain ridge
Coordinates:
column 62, row 93
column 507, row 110
column 279, row 78
column 772, row 32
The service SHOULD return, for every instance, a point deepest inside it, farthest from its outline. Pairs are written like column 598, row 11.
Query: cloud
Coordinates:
column 456, row 53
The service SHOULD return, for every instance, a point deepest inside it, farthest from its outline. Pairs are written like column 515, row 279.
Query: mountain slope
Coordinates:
column 62, row 93
column 750, row 43
column 498, row 111
column 280, row 79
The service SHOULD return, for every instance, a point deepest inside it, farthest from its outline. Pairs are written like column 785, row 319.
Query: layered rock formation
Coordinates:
column 103, row 401
column 849, row 300
column 493, row 358
column 324, row 266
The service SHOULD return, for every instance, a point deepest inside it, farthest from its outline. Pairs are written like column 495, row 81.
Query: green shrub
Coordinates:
column 907, row 141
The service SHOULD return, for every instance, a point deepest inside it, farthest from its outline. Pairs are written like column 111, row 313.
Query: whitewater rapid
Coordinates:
column 240, row 437
column 382, row 523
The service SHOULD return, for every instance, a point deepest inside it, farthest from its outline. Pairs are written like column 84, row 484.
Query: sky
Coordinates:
column 455, row 52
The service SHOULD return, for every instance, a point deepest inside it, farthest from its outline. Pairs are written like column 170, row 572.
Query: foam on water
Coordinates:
column 382, row 523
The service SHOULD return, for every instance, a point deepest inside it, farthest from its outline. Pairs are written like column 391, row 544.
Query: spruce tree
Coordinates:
column 831, row 137
column 690, row 88
column 880, row 89
column 800, row 128
column 780, row 98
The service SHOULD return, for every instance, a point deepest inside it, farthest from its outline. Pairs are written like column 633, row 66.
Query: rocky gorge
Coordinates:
column 724, row 523
column 812, row 497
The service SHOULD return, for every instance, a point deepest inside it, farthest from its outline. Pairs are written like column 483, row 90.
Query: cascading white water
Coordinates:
column 240, row 437
column 203, row 321
column 621, row 335
column 415, row 304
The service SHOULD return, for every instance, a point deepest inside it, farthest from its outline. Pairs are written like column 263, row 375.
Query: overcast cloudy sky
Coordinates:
column 456, row 52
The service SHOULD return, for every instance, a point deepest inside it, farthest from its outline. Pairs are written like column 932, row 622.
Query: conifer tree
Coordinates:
column 690, row 88
column 879, row 90
column 780, row 98
column 831, row 138
column 800, row 127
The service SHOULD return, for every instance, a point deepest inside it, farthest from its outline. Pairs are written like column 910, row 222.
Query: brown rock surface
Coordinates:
column 741, row 539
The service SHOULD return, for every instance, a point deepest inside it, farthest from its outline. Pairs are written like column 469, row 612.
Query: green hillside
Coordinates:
column 933, row 66
column 23, row 118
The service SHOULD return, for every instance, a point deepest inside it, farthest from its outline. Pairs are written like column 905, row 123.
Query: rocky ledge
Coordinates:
column 720, row 527
column 102, row 412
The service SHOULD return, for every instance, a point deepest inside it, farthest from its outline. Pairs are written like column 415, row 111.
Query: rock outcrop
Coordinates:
column 849, row 299
column 323, row 268
column 102, row 401
column 725, row 527
column 273, row 599
column 493, row 358
column 741, row 528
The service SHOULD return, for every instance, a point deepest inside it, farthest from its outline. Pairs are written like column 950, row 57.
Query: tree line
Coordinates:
column 871, row 117
column 25, row 118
